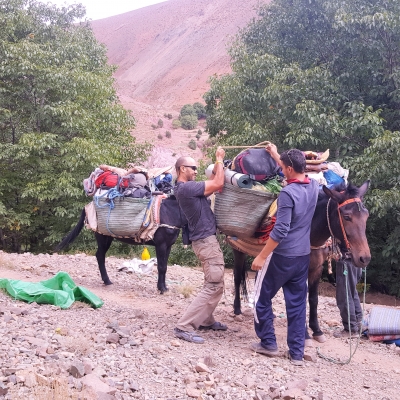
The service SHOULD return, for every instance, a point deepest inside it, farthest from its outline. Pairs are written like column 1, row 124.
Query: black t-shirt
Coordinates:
column 196, row 207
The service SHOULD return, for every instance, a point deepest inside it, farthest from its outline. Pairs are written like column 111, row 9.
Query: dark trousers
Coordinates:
column 353, row 276
column 290, row 274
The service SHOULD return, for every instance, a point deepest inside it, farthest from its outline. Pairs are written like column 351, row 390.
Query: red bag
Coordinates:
column 108, row 180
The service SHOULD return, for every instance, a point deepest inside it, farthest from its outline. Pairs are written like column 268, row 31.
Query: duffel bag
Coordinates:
column 257, row 163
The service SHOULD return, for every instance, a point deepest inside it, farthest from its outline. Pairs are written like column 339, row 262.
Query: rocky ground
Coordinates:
column 126, row 349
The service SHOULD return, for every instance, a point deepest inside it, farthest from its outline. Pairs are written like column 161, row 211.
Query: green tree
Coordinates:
column 200, row 110
column 59, row 119
column 319, row 74
column 192, row 144
column 189, row 121
column 187, row 109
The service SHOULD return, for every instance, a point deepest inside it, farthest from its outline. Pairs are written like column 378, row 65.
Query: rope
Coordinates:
column 111, row 194
column 334, row 360
column 258, row 145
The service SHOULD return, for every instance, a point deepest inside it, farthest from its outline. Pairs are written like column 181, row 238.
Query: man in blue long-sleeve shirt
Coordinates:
column 283, row 262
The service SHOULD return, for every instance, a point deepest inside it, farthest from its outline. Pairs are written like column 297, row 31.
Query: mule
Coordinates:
column 339, row 214
column 171, row 221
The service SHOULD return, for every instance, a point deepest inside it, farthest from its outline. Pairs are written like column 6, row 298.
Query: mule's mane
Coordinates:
column 350, row 190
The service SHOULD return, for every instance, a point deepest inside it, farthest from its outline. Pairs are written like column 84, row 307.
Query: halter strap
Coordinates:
column 353, row 200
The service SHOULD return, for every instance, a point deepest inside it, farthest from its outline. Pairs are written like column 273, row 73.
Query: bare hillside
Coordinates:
column 166, row 52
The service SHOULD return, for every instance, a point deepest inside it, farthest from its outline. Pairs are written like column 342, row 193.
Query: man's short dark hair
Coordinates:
column 294, row 158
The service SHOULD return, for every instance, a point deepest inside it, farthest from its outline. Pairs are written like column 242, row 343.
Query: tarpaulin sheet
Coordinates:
column 60, row 291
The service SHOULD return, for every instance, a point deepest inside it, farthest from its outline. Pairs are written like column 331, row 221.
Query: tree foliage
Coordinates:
column 318, row 74
column 200, row 110
column 59, row 119
column 189, row 122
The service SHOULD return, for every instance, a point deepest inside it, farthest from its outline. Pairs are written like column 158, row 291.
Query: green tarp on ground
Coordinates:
column 59, row 290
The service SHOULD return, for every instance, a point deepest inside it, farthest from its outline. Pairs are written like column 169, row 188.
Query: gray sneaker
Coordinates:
column 297, row 363
column 259, row 348
column 192, row 337
column 346, row 334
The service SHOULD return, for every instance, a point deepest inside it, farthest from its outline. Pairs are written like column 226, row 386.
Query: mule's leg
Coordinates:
column 103, row 244
column 162, row 252
column 239, row 274
column 317, row 258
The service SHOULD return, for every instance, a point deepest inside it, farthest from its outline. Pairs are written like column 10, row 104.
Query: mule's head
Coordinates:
column 348, row 219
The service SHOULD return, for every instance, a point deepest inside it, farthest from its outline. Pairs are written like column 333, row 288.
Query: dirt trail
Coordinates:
column 157, row 365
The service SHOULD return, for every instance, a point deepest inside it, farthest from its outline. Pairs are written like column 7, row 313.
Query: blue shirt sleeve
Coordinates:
column 283, row 217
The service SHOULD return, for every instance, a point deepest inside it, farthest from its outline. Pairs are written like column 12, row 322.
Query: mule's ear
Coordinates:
column 333, row 194
column 363, row 188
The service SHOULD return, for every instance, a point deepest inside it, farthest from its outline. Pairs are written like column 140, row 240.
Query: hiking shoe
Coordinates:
column 259, row 348
column 216, row 326
column 191, row 337
column 297, row 363
column 344, row 333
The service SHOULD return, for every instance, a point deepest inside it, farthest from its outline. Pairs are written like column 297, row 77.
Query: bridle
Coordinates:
column 346, row 241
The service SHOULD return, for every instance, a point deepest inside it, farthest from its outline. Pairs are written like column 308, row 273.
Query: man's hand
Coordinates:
column 273, row 151
column 220, row 154
column 271, row 148
column 258, row 263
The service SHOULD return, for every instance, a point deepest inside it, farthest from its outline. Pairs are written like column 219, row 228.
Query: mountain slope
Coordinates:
column 167, row 52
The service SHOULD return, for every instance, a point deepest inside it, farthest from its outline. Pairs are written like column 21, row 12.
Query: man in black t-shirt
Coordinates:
column 192, row 199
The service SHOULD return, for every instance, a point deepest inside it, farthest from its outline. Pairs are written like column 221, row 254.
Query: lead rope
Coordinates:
column 358, row 337
column 346, row 273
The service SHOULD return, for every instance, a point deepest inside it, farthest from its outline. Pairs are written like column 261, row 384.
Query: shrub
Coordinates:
column 176, row 124
column 160, row 123
column 168, row 134
column 200, row 132
column 188, row 109
column 169, row 116
column 198, row 136
column 160, row 136
column 182, row 255
column 188, row 121
column 154, row 126
column 200, row 110
column 192, row 145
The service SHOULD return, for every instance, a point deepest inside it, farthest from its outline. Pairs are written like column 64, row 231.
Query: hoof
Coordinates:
column 237, row 312
column 320, row 338
column 308, row 343
column 163, row 290
column 108, row 283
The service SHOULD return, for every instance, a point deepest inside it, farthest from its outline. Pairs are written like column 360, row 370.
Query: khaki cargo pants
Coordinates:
column 200, row 311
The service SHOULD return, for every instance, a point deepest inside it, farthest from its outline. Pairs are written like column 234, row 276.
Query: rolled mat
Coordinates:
column 232, row 177
column 384, row 321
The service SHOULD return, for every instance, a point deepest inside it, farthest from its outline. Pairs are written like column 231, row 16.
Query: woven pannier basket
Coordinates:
column 124, row 220
column 239, row 211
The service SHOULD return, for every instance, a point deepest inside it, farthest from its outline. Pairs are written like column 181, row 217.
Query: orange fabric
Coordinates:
column 263, row 233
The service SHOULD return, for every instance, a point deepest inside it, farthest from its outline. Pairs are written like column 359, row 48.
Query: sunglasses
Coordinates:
column 190, row 166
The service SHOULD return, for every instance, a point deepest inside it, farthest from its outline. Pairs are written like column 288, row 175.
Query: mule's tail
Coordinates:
column 73, row 234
